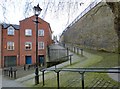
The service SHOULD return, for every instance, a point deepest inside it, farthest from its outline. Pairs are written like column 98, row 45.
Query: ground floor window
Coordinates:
column 10, row 61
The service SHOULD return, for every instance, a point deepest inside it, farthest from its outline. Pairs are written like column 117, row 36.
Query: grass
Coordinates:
column 108, row 59
column 91, row 59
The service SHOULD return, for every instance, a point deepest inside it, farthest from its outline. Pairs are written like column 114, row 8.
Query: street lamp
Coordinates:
column 37, row 11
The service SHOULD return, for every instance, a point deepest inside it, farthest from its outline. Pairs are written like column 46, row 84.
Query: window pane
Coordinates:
column 28, row 32
column 10, row 31
column 41, row 32
column 28, row 45
column 10, row 45
column 41, row 45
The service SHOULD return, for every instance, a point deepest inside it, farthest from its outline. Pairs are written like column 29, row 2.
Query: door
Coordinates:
column 10, row 61
column 28, row 60
column 41, row 59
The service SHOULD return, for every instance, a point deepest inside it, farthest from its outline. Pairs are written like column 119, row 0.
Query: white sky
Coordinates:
column 58, row 19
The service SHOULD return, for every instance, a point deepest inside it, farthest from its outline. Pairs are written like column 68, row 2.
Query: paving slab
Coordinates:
column 115, row 76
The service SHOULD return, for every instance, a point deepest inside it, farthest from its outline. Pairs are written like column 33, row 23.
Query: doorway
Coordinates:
column 41, row 60
column 28, row 60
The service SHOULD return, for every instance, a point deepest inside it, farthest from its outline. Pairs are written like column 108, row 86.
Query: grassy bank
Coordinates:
column 91, row 59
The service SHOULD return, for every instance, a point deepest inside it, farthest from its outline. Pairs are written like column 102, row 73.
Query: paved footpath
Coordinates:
column 115, row 76
column 11, row 83
column 30, row 78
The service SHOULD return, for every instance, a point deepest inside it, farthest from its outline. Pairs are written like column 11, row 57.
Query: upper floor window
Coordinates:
column 10, row 30
column 28, row 32
column 40, row 45
column 10, row 45
column 28, row 45
column 41, row 32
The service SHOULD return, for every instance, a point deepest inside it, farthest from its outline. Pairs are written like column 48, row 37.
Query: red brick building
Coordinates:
column 18, row 42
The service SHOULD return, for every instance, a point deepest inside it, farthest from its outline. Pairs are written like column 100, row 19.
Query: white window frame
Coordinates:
column 41, row 32
column 27, row 43
column 28, row 32
column 41, row 45
column 10, row 45
column 10, row 31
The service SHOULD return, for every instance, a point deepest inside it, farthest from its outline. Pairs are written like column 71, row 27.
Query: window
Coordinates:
column 40, row 45
column 41, row 32
column 28, row 32
column 10, row 45
column 28, row 45
column 10, row 31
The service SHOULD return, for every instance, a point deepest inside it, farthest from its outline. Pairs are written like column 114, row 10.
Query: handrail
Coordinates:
column 100, row 70
column 82, row 71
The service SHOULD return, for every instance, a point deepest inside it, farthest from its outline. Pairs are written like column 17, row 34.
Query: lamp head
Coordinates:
column 37, row 10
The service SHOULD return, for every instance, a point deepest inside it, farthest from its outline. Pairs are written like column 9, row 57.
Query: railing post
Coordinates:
column 58, row 80
column 70, row 60
column 68, row 53
column 81, row 52
column 36, row 76
column 77, row 50
column 82, row 76
column 74, row 50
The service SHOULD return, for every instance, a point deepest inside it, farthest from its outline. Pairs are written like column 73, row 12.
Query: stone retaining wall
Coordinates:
column 94, row 30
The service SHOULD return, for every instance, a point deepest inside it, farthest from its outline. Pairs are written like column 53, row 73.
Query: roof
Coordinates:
column 33, row 16
column 17, row 27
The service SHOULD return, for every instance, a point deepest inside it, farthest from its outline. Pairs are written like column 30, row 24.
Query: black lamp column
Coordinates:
column 37, row 11
column 37, row 62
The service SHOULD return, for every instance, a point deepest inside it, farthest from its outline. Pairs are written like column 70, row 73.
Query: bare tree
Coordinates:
column 4, row 11
column 50, row 7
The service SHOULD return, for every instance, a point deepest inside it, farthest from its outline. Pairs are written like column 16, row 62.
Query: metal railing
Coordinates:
column 92, row 5
column 82, row 71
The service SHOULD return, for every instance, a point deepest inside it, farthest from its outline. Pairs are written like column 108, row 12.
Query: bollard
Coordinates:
column 11, row 72
column 5, row 72
column 15, row 74
column 81, row 52
column 28, row 67
column 24, row 67
column 43, row 78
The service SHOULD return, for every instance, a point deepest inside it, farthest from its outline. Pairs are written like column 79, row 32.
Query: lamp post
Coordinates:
column 37, row 11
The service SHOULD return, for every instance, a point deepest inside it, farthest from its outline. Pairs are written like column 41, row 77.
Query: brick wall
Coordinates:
column 5, row 39
column 29, row 24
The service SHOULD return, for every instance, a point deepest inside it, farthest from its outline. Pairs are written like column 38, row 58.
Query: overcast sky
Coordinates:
column 59, row 13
